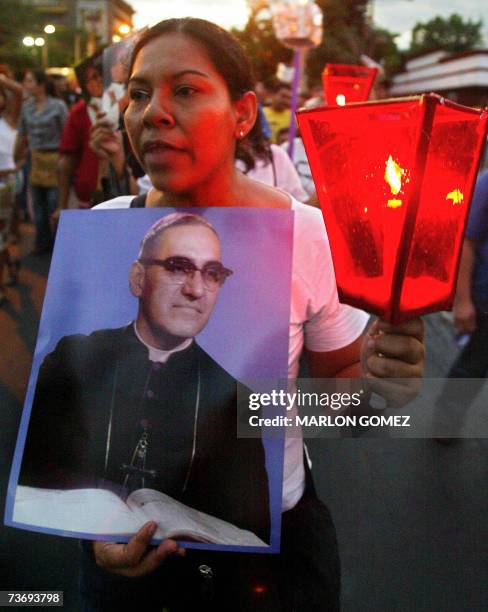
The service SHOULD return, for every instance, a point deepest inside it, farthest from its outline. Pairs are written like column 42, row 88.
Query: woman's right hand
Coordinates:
column 135, row 558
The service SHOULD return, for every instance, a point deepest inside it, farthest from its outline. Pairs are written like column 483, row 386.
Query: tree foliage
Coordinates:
column 348, row 33
column 449, row 34
column 262, row 48
column 383, row 49
column 345, row 38
column 18, row 19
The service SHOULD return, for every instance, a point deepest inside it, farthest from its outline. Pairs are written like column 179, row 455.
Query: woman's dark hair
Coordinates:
column 43, row 79
column 230, row 61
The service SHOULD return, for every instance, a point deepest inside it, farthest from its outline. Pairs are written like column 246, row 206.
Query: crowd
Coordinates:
column 192, row 132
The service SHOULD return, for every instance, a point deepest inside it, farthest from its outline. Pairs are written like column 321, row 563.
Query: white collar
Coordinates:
column 159, row 355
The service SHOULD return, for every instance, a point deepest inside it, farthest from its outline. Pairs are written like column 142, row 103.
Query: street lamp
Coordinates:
column 39, row 41
column 298, row 25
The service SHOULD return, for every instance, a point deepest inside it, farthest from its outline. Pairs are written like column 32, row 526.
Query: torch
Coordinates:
column 298, row 25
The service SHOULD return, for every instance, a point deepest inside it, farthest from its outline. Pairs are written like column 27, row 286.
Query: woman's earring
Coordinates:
column 241, row 134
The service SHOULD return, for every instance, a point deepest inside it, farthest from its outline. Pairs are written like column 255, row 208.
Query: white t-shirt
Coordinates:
column 7, row 143
column 317, row 321
column 284, row 176
column 300, row 162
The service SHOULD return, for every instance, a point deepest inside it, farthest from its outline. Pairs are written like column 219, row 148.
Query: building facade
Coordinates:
column 94, row 23
column 461, row 77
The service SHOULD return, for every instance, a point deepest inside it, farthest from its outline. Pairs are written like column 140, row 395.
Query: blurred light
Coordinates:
column 124, row 29
column 116, row 38
column 341, row 100
column 28, row 41
column 39, row 41
column 49, row 29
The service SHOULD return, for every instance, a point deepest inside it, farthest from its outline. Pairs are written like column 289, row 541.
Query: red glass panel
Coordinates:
column 345, row 83
column 394, row 181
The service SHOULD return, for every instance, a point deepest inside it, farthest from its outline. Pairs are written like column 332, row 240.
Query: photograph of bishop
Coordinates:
column 144, row 405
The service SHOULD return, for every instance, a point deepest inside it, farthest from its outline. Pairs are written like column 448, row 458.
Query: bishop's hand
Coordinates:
column 135, row 558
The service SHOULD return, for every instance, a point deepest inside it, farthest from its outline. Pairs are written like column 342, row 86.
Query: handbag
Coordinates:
column 44, row 168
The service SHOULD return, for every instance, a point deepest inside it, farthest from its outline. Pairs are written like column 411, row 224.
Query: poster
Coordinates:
column 132, row 394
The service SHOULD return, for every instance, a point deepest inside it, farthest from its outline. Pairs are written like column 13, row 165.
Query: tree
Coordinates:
column 19, row 19
column 262, row 48
column 451, row 34
column 346, row 35
column 383, row 49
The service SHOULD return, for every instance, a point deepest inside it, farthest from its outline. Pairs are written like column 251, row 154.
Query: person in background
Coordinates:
column 78, row 164
column 278, row 114
column 40, row 127
column 275, row 168
column 10, row 104
column 300, row 163
column 63, row 90
column 470, row 313
column 114, row 99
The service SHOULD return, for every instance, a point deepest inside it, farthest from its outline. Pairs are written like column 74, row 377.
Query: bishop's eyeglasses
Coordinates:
column 178, row 270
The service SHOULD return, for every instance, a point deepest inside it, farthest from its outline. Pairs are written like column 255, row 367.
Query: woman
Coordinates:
column 191, row 112
column 41, row 124
column 10, row 103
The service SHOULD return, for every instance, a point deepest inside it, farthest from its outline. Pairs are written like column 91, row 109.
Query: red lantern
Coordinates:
column 394, row 181
column 345, row 83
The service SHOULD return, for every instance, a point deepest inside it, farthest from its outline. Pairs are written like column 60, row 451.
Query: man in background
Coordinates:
column 79, row 167
column 278, row 114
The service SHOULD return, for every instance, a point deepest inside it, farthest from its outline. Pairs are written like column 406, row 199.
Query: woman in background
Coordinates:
column 10, row 104
column 40, row 127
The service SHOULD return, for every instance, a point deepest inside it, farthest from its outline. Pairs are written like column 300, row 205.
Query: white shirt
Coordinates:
column 317, row 320
column 284, row 176
column 7, row 142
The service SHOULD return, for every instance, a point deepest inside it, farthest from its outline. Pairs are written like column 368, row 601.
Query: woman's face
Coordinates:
column 30, row 84
column 181, row 121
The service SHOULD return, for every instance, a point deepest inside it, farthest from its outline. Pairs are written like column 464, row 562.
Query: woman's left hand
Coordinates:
column 392, row 359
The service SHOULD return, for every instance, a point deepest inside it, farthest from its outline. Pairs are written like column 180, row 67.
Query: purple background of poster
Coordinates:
column 247, row 333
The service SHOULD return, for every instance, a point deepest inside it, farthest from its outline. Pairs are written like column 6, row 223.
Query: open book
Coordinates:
column 101, row 512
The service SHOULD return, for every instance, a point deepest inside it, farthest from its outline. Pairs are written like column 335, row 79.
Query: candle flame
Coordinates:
column 341, row 100
column 394, row 203
column 393, row 175
column 456, row 196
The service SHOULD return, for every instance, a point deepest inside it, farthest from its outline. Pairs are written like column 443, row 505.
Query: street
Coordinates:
column 410, row 514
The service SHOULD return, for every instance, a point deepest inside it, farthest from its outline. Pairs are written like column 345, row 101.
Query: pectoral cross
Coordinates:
column 136, row 469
